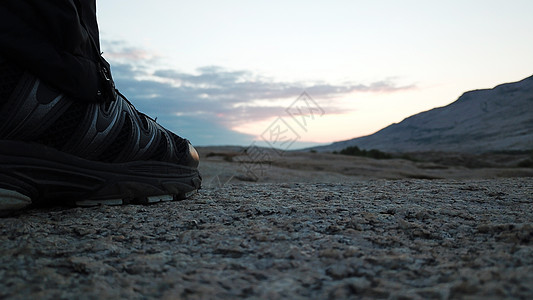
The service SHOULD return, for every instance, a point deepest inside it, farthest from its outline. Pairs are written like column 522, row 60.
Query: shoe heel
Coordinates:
column 12, row 200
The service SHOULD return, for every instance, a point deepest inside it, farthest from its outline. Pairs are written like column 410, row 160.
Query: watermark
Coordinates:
column 219, row 181
column 255, row 162
column 304, row 108
column 279, row 136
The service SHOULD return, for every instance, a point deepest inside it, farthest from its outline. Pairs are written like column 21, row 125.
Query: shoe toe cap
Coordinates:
column 191, row 158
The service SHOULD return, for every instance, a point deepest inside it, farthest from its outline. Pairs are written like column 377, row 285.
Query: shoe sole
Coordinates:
column 13, row 200
column 40, row 174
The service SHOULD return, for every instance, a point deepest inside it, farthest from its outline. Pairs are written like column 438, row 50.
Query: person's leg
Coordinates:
column 56, row 40
column 62, row 137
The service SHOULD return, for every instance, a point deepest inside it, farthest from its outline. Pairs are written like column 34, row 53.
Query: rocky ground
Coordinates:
column 363, row 238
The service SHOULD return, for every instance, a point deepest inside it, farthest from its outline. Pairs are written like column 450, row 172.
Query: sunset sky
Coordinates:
column 223, row 72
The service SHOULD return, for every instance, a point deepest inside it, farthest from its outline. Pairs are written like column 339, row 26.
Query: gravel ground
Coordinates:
column 397, row 239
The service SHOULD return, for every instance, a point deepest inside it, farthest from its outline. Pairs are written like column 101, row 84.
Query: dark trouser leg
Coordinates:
column 56, row 40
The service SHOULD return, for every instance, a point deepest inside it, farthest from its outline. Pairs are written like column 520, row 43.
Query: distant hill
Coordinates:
column 498, row 119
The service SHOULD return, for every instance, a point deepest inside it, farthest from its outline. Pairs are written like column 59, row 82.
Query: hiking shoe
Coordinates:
column 56, row 149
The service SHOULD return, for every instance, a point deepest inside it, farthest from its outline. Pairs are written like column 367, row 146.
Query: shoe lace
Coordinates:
column 133, row 106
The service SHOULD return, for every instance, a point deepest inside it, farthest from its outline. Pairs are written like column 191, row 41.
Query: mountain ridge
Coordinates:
column 482, row 120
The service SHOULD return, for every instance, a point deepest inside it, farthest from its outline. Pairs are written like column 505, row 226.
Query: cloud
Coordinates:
column 212, row 100
column 118, row 51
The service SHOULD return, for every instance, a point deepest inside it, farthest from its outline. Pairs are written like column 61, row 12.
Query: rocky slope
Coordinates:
column 498, row 119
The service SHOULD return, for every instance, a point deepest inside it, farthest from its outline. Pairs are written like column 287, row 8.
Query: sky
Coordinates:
column 292, row 74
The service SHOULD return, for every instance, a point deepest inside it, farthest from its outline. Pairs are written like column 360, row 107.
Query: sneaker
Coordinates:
column 56, row 149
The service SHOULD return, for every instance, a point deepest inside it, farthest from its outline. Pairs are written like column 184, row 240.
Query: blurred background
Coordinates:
column 221, row 72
